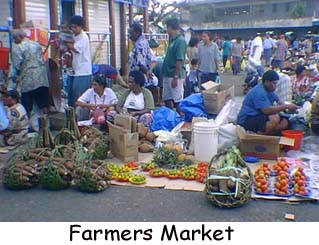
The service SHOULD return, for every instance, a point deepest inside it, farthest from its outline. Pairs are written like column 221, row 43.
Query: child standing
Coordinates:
column 192, row 85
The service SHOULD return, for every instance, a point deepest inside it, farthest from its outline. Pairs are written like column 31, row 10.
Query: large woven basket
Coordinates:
column 236, row 198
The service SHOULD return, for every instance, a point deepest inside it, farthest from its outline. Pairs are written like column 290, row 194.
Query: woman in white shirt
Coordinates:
column 138, row 101
column 97, row 97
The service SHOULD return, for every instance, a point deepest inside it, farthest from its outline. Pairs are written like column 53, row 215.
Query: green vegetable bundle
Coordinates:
column 51, row 179
column 91, row 182
column 166, row 158
column 21, row 175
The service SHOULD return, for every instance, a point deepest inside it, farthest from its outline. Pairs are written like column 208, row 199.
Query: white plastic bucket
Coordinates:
column 205, row 140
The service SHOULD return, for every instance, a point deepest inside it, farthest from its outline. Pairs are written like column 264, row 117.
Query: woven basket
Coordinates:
column 242, row 190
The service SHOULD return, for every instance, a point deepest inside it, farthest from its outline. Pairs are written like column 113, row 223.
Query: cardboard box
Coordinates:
column 123, row 121
column 262, row 146
column 215, row 95
column 39, row 35
column 124, row 140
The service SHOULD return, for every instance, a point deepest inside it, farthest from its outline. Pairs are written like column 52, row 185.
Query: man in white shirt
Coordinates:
column 81, row 62
column 255, row 53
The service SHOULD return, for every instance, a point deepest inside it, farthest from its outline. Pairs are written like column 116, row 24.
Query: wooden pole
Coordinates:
column 54, row 20
column 130, row 14
column 18, row 13
column 146, row 20
column 124, row 53
column 113, row 38
column 85, row 14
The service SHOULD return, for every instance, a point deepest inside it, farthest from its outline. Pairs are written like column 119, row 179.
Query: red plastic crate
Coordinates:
column 4, row 57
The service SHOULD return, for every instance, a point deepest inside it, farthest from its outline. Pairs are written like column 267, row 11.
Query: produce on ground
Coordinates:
column 299, row 180
column 137, row 179
column 261, row 177
column 132, row 165
column 229, row 179
column 158, row 172
column 22, row 174
column 54, row 177
column 148, row 166
column 173, row 174
column 146, row 138
column 282, row 184
column 280, row 165
column 94, row 179
column 123, row 176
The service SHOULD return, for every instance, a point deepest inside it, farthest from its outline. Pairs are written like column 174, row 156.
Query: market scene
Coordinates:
column 150, row 110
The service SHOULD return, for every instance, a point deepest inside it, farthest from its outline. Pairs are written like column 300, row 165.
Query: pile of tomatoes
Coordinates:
column 280, row 165
column 261, row 177
column 299, row 180
column 282, row 185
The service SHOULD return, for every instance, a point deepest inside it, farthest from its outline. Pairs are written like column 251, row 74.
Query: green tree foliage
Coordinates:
column 299, row 10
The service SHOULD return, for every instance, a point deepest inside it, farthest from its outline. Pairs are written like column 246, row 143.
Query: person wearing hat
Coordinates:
column 261, row 107
column 17, row 131
column 137, row 101
column 29, row 70
column 96, row 100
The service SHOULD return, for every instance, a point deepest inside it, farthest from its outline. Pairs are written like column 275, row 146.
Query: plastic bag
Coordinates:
column 98, row 116
column 243, row 65
column 165, row 119
column 193, row 106
column 228, row 65
column 227, row 137
column 229, row 113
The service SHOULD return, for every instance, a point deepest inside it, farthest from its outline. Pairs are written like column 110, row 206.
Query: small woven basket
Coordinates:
column 241, row 192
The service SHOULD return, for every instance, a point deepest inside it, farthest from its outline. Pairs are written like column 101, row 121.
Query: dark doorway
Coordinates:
column 68, row 10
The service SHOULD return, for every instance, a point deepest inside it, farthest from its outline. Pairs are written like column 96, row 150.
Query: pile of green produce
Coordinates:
column 227, row 176
column 54, row 177
column 20, row 174
column 171, row 157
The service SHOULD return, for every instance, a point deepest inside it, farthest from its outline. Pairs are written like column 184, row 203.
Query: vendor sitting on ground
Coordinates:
column 98, row 97
column 300, row 83
column 138, row 101
column 258, row 112
column 16, row 132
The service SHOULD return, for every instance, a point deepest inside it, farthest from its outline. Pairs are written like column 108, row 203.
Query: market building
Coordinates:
column 106, row 22
column 230, row 16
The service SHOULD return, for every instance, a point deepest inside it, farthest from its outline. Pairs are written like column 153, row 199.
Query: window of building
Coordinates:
column 274, row 8
column 259, row 10
column 244, row 10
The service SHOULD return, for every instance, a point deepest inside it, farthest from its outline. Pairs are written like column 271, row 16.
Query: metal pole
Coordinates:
column 124, row 54
column 112, row 27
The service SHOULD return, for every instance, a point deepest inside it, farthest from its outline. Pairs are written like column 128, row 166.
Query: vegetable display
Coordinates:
column 229, row 180
column 137, row 179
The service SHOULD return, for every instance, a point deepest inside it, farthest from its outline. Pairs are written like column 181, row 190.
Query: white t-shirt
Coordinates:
column 91, row 97
column 134, row 101
column 81, row 62
column 258, row 43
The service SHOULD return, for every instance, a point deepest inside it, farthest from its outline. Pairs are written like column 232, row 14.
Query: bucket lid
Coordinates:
column 208, row 125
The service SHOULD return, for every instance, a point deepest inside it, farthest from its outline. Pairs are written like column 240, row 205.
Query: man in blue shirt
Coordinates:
column 259, row 113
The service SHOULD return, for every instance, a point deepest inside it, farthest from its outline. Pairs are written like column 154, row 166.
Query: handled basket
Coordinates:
column 223, row 196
